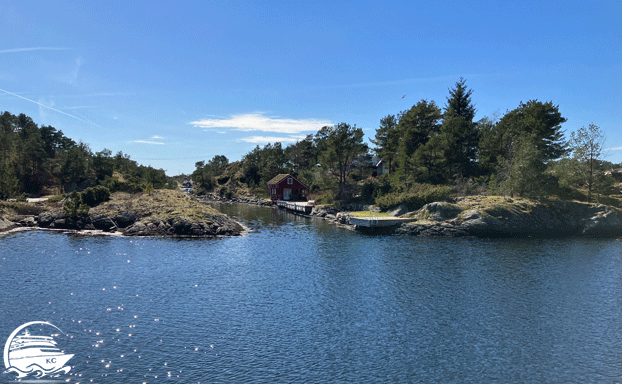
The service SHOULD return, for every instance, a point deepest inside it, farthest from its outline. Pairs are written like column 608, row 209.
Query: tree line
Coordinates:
column 428, row 144
column 328, row 160
column 40, row 159
column 426, row 149
column 525, row 152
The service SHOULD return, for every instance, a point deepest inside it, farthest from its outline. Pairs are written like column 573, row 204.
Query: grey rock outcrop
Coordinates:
column 58, row 220
column 515, row 219
column 103, row 222
column 6, row 225
column 602, row 221
column 47, row 218
column 183, row 227
column 125, row 219
column 398, row 211
column 28, row 221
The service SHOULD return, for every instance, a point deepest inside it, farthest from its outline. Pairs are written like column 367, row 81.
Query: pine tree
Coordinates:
column 8, row 181
column 459, row 131
column 416, row 127
column 459, row 102
column 342, row 144
column 523, row 170
column 387, row 140
column 541, row 121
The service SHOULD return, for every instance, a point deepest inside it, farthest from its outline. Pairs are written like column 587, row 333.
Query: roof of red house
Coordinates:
column 280, row 177
column 276, row 179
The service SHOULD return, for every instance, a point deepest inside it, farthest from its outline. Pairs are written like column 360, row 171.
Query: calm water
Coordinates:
column 300, row 300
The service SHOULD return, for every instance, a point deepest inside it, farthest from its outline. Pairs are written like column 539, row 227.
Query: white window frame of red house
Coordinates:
column 290, row 181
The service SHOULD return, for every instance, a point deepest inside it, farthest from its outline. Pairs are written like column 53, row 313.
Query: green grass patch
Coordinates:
column 369, row 214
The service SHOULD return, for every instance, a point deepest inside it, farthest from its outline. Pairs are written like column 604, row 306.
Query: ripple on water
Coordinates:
column 298, row 300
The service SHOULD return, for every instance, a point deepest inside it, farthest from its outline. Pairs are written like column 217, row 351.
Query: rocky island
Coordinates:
column 164, row 213
column 496, row 216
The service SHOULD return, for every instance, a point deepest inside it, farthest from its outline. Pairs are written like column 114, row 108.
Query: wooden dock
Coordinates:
column 297, row 206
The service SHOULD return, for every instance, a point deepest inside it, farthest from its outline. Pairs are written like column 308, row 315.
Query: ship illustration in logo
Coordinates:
column 33, row 355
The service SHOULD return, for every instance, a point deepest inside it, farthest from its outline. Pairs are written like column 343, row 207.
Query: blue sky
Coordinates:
column 171, row 84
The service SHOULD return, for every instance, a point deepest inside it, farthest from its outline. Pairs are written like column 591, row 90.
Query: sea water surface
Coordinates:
column 301, row 300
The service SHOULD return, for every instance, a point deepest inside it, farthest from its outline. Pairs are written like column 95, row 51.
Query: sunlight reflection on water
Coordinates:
column 301, row 300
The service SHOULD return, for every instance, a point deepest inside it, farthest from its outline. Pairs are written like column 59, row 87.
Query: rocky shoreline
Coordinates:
column 162, row 214
column 513, row 218
column 477, row 216
column 483, row 217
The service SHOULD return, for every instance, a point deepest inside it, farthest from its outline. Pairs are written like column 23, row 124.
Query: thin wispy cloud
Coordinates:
column 73, row 76
column 156, row 137
column 30, row 49
column 43, row 108
column 259, row 122
column 48, row 107
column 147, row 142
column 271, row 139
column 100, row 94
column 614, row 149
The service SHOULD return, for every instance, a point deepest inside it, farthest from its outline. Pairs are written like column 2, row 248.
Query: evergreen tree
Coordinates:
column 459, row 132
column 541, row 121
column 202, row 176
column 459, row 102
column 416, row 127
column 537, row 120
column 32, row 169
column 103, row 164
column 75, row 168
column 301, row 156
column 490, row 145
column 342, row 144
column 523, row 170
column 218, row 164
column 251, row 167
column 387, row 140
column 429, row 162
column 273, row 161
column 8, row 127
column 8, row 181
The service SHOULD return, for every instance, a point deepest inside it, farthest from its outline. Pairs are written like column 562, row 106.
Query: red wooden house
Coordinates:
column 287, row 187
